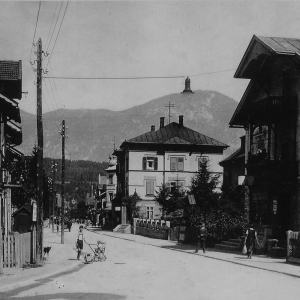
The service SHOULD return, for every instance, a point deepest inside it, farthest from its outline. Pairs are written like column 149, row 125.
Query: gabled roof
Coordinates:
column 174, row 133
column 26, row 208
column 235, row 155
column 11, row 78
column 260, row 48
column 10, row 70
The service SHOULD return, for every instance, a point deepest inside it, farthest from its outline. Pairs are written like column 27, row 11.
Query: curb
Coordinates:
column 215, row 258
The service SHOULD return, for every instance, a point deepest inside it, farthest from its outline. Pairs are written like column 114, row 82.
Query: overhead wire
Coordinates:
column 57, row 34
column 37, row 19
column 47, row 41
column 54, row 25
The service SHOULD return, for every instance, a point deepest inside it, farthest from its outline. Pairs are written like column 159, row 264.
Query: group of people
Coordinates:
column 249, row 242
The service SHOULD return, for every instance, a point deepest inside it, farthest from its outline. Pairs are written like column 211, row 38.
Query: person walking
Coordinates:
column 201, row 237
column 79, row 241
column 251, row 238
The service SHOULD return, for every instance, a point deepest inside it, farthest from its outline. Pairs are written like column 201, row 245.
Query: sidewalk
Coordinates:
column 259, row 262
column 62, row 258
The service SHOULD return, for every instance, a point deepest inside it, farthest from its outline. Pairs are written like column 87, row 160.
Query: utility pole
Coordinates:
column 63, row 134
column 169, row 106
column 54, row 165
column 40, row 146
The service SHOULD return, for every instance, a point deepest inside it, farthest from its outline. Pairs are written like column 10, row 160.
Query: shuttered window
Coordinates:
column 150, row 187
column 150, row 163
column 176, row 163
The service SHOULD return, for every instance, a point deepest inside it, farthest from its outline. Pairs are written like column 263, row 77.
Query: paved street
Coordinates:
column 135, row 270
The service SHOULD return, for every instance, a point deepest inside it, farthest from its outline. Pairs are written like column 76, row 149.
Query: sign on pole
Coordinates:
column 192, row 200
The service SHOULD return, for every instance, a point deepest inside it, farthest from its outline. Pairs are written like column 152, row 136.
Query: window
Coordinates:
column 111, row 197
column 171, row 185
column 150, row 212
column 201, row 160
column 149, row 187
column 127, row 163
column 149, row 163
column 110, row 179
column 176, row 163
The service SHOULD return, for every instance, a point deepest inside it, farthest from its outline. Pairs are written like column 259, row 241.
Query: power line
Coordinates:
column 58, row 34
column 37, row 19
column 48, row 43
column 114, row 78
column 54, row 25
column 137, row 77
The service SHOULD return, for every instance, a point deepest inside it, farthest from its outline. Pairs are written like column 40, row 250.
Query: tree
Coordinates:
column 204, row 188
column 132, row 207
column 162, row 197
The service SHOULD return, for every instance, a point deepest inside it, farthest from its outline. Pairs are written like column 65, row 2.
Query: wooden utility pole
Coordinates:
column 53, row 191
column 63, row 134
column 40, row 146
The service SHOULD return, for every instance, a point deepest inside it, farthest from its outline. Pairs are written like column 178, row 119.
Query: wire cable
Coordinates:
column 37, row 19
column 54, row 26
column 57, row 34
column 47, row 43
column 137, row 77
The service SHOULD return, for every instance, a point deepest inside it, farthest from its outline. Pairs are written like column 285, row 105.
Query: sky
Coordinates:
column 204, row 40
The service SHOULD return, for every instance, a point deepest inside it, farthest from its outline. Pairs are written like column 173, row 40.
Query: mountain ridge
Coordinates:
column 92, row 133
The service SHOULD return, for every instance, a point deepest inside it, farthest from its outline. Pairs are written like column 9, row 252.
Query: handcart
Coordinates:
column 98, row 252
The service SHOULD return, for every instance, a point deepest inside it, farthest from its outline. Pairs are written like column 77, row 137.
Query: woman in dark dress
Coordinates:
column 251, row 238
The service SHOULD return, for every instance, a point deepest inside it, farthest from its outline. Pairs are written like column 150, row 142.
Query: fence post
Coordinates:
column 1, row 252
column 17, row 249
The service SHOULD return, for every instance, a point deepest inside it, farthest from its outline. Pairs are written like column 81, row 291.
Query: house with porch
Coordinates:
column 269, row 112
column 169, row 155
column 10, row 137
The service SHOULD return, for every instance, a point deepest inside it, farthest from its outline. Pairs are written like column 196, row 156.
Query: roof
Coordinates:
column 26, row 208
column 10, row 70
column 235, row 155
column 11, row 78
column 261, row 47
column 174, row 133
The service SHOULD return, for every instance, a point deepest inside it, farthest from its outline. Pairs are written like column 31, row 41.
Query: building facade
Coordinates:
column 10, row 136
column 269, row 112
column 169, row 155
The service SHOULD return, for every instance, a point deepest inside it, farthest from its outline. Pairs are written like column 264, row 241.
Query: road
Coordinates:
column 138, row 271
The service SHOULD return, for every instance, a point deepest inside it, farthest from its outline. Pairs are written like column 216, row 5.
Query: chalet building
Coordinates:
column 10, row 136
column 269, row 112
column 169, row 155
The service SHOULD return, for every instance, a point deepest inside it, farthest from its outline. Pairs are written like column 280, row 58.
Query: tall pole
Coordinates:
column 53, row 191
column 40, row 142
column 63, row 134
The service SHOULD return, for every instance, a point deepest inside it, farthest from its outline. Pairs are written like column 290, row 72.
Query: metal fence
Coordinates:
column 293, row 246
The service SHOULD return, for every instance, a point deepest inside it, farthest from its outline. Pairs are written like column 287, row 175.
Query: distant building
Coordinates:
column 169, row 155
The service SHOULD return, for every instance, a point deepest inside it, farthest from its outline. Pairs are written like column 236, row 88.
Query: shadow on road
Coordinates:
column 71, row 296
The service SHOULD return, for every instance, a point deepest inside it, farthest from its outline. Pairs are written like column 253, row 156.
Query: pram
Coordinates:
column 98, row 252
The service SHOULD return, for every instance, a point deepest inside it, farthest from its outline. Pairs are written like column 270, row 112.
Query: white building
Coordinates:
column 169, row 155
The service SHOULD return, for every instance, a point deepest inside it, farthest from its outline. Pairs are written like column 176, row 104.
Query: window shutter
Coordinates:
column 180, row 163
column 173, row 163
column 144, row 163
column 168, row 186
column 152, row 187
column 155, row 163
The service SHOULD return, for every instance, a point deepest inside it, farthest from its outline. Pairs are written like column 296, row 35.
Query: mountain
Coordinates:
column 92, row 133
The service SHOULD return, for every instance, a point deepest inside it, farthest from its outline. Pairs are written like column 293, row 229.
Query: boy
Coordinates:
column 79, row 241
column 201, row 237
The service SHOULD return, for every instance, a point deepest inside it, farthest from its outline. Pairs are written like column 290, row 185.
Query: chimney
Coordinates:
column 162, row 121
column 152, row 127
column 181, row 120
